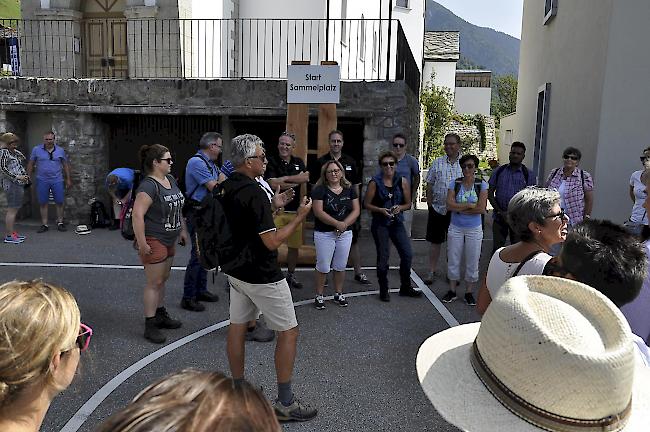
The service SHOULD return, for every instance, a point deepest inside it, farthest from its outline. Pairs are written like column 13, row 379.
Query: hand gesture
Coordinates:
column 281, row 199
column 305, row 206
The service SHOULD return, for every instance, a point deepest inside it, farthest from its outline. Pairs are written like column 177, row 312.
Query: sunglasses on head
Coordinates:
column 387, row 164
column 572, row 157
column 289, row 134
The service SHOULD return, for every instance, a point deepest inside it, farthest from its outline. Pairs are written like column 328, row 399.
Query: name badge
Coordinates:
column 348, row 168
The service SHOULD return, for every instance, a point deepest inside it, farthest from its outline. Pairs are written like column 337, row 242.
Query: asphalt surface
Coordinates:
column 355, row 364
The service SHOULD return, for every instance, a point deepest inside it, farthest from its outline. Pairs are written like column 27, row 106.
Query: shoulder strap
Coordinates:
column 524, row 261
column 524, row 170
column 457, row 184
column 207, row 164
column 478, row 183
column 497, row 174
column 582, row 176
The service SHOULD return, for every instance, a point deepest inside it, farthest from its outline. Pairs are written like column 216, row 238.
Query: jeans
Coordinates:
column 500, row 232
column 463, row 241
column 383, row 235
column 196, row 277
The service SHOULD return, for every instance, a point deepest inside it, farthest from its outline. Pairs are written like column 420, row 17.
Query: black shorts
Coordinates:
column 437, row 226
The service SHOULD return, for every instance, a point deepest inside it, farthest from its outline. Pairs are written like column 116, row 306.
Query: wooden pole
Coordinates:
column 327, row 121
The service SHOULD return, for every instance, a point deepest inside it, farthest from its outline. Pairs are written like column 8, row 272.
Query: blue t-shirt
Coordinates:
column 49, row 165
column 466, row 196
column 198, row 172
column 125, row 178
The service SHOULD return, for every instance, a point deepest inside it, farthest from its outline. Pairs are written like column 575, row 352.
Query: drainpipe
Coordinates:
column 327, row 31
column 390, row 28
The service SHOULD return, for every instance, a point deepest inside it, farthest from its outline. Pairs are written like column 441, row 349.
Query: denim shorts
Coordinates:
column 14, row 194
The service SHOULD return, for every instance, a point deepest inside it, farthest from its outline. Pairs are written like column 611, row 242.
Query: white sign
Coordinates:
column 313, row 84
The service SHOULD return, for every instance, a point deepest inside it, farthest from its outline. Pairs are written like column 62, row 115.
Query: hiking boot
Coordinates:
column 163, row 320
column 151, row 333
column 207, row 296
column 362, row 279
column 42, row 229
column 192, row 305
column 319, row 303
column 409, row 292
column 469, row 299
column 449, row 297
column 13, row 238
column 260, row 333
column 384, row 296
column 297, row 411
column 293, row 282
column 61, row 227
column 340, row 300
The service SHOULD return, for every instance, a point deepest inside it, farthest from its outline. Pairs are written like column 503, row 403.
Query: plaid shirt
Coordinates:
column 574, row 194
column 441, row 173
column 508, row 182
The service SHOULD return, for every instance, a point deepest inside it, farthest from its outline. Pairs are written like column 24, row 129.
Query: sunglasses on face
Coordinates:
column 83, row 338
column 469, row 166
column 398, row 145
column 558, row 216
column 260, row 157
column 388, row 164
column 572, row 157
column 168, row 160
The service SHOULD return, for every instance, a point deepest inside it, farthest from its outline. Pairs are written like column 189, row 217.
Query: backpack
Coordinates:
column 212, row 238
column 477, row 185
column 126, row 222
column 582, row 177
column 98, row 215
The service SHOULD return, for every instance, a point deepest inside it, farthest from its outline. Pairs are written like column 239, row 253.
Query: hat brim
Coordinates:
column 449, row 381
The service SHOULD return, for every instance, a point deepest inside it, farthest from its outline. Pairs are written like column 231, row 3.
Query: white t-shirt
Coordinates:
column 642, row 349
column 639, row 214
column 499, row 271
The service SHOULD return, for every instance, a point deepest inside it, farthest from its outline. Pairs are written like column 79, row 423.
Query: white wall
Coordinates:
column 412, row 20
column 445, row 74
column 507, row 134
column 473, row 100
column 624, row 114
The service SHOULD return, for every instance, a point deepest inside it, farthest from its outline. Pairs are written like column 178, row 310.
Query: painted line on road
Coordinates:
column 442, row 310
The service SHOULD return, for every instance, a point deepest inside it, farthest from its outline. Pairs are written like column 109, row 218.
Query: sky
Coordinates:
column 501, row 15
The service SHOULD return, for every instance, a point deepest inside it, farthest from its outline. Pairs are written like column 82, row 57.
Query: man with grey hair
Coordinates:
column 257, row 283
column 201, row 176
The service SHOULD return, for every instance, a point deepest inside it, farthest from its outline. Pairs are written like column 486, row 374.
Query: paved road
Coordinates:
column 356, row 364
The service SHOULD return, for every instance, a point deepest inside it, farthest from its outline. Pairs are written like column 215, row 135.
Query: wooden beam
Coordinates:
column 327, row 121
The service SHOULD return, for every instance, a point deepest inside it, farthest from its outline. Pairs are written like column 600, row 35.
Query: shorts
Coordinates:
column 295, row 239
column 273, row 299
column 437, row 226
column 159, row 252
column 332, row 250
column 43, row 188
column 15, row 193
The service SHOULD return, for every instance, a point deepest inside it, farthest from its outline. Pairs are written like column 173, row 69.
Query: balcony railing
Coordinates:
column 369, row 49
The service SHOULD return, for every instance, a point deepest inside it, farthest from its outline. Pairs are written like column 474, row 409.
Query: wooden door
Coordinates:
column 106, row 48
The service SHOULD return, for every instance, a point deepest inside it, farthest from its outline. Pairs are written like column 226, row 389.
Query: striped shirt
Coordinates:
column 441, row 173
column 11, row 165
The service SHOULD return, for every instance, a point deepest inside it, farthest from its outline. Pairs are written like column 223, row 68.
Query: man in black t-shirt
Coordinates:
column 257, row 283
column 288, row 171
column 354, row 175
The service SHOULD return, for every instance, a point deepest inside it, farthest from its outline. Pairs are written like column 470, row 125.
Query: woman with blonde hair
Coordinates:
column 196, row 401
column 336, row 208
column 41, row 336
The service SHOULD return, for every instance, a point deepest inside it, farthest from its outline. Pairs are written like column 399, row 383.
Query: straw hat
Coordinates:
column 550, row 352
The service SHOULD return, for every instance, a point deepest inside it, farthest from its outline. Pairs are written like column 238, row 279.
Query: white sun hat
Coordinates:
column 550, row 354
column 82, row 229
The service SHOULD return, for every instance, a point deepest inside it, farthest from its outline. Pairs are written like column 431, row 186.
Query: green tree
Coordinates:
column 438, row 108
column 504, row 96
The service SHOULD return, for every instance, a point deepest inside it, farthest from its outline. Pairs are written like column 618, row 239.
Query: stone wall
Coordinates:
column 471, row 137
column 76, row 107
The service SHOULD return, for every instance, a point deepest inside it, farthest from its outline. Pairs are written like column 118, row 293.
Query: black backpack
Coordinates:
column 478, row 182
column 98, row 215
column 213, row 239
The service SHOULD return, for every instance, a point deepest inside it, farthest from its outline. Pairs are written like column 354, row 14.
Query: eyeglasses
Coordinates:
column 558, row 216
column 469, row 166
column 83, row 338
column 333, row 171
column 575, row 158
column 388, row 164
column 398, row 145
column 260, row 157
column 644, row 158
column 289, row 134
column 168, row 160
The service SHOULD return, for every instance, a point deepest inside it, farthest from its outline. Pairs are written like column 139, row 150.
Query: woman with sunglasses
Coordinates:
column 638, row 220
column 466, row 200
column 40, row 342
column 575, row 185
column 535, row 216
column 387, row 197
column 158, row 225
column 336, row 208
column 13, row 179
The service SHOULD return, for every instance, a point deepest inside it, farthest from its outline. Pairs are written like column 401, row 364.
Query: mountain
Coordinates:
column 9, row 9
column 482, row 46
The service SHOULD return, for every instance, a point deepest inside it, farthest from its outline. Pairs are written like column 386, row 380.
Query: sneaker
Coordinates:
column 362, row 279
column 293, row 282
column 207, row 296
column 260, row 333
column 410, row 292
column 42, row 229
column 297, row 411
column 192, row 305
column 20, row 237
column 340, row 300
column 319, row 303
column 13, row 238
column 61, row 227
column 163, row 320
column 449, row 297
column 469, row 299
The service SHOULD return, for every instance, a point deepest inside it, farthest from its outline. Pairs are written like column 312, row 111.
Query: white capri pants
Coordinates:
column 465, row 241
column 331, row 250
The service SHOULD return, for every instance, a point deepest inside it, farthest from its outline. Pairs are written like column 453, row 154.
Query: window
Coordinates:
column 375, row 55
column 541, row 127
column 362, row 39
column 402, row 3
column 550, row 10
column 344, row 24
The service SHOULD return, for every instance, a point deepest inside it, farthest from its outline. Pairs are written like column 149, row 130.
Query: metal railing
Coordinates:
column 369, row 49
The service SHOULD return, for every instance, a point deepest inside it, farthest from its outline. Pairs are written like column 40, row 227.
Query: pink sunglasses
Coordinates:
column 83, row 340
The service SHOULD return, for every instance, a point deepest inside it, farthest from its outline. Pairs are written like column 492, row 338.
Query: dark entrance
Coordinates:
column 180, row 134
